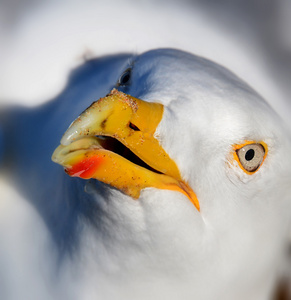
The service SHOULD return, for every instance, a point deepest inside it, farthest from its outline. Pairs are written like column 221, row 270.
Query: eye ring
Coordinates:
column 250, row 156
column 125, row 77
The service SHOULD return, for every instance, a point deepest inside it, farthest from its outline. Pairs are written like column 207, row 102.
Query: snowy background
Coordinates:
column 42, row 41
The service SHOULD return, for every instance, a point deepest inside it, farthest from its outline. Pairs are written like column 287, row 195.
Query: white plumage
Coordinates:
column 105, row 245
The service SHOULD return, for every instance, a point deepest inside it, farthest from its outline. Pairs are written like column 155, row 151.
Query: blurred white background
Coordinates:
column 41, row 41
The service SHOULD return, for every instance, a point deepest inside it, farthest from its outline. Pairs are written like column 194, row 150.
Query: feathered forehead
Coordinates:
column 183, row 75
column 194, row 87
column 170, row 71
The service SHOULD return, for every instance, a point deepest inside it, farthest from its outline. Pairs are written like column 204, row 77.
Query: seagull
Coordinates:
column 172, row 181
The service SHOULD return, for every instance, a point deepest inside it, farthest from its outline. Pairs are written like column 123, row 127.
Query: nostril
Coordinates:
column 133, row 127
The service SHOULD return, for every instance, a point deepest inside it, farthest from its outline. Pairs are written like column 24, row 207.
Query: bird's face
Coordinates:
column 228, row 146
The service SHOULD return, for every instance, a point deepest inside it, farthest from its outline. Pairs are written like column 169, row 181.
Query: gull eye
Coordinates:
column 251, row 156
column 124, row 78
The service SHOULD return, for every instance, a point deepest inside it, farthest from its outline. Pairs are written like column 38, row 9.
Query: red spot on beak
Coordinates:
column 85, row 168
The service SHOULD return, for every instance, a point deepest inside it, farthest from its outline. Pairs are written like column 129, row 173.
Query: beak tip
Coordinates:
column 55, row 156
column 69, row 136
column 64, row 141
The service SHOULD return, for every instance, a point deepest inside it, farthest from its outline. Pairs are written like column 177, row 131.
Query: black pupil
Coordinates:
column 125, row 78
column 250, row 154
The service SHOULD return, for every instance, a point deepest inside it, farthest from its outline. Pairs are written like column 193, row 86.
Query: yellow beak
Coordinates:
column 114, row 141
